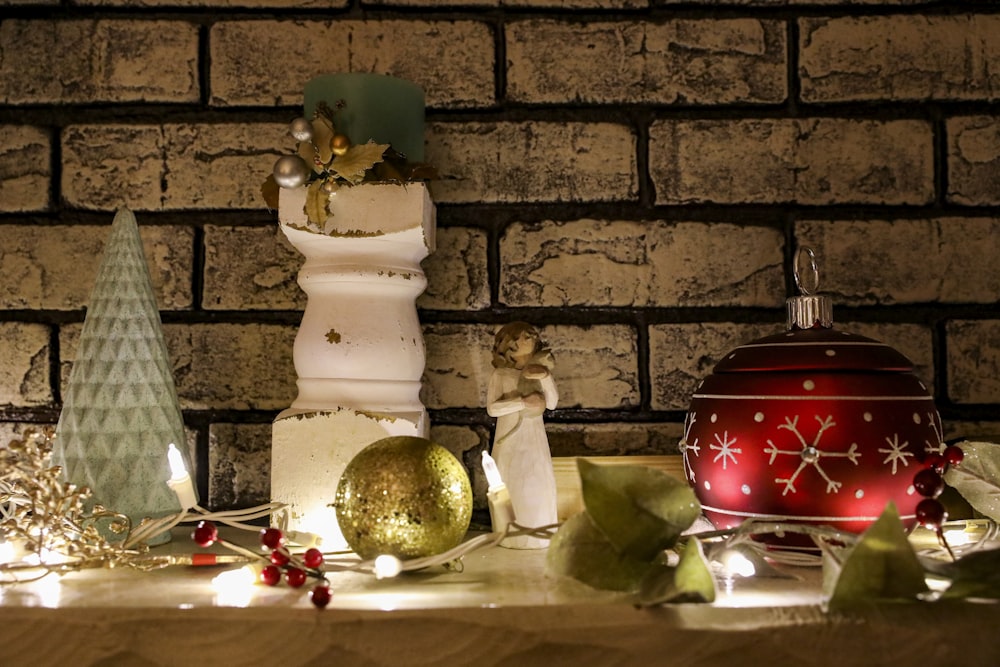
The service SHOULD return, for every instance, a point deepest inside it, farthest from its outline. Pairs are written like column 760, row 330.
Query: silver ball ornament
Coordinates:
column 301, row 129
column 291, row 171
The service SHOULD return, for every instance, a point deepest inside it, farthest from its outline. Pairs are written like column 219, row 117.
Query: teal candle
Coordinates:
column 379, row 108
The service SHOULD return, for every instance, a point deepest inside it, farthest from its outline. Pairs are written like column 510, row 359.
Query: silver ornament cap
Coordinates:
column 808, row 310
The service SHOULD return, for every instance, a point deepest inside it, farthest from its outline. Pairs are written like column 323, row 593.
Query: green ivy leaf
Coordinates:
column 881, row 566
column 690, row 581
column 580, row 550
column 978, row 478
column 976, row 575
column 642, row 511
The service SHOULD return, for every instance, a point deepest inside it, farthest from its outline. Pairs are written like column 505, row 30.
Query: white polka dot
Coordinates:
column 859, row 494
column 707, row 485
column 759, row 417
column 831, row 353
column 808, row 385
column 868, row 416
column 910, row 490
column 713, row 418
column 745, row 489
column 916, row 418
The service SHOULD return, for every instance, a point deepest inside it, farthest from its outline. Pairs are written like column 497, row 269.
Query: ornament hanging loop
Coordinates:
column 809, row 309
column 813, row 271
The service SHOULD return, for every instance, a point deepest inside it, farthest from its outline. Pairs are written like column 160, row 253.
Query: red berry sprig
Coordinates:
column 280, row 561
column 296, row 571
column 929, row 483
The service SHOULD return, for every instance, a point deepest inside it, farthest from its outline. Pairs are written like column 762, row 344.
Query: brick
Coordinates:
column 170, row 167
column 275, row 4
column 24, row 364
column 220, row 366
column 684, row 61
column 792, row 3
column 532, row 161
column 595, row 366
column 104, row 166
column 452, row 61
column 457, row 276
column 239, row 459
column 54, row 267
column 977, row 431
column 926, row 57
column 89, row 61
column 233, row 366
column 251, row 268
column 940, row 260
column 656, row 263
column 614, row 439
column 973, row 160
column 973, row 361
column 681, row 355
column 25, row 169
column 814, row 161
column 561, row 4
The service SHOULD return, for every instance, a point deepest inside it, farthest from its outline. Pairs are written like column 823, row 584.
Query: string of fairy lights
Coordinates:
column 48, row 527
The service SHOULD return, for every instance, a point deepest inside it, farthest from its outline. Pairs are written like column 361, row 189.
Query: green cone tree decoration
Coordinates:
column 120, row 410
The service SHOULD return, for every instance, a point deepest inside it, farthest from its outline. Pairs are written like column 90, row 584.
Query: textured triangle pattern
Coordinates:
column 120, row 410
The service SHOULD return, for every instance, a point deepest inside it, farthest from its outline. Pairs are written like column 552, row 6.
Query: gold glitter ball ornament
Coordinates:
column 403, row 496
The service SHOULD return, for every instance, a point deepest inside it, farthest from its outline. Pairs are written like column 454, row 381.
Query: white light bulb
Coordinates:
column 178, row 470
column 493, row 478
column 387, row 566
column 735, row 563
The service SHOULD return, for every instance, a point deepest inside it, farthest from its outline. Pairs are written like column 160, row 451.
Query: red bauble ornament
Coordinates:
column 812, row 425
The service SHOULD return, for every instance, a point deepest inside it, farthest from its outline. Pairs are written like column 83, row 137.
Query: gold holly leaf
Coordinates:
column 321, row 144
column 317, row 206
column 352, row 165
column 269, row 189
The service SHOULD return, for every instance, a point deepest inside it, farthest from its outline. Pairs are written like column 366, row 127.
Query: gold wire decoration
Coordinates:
column 48, row 518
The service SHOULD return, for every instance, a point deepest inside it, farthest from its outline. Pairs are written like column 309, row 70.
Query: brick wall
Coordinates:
column 631, row 175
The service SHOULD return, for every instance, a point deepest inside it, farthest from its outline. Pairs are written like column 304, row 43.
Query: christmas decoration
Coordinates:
column 56, row 528
column 363, row 225
column 521, row 388
column 813, row 425
column 120, row 411
column 403, row 496
column 362, row 128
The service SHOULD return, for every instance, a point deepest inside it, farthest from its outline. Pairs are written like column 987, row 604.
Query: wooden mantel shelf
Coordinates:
column 501, row 610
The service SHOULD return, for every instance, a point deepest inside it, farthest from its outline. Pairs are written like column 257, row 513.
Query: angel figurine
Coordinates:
column 520, row 390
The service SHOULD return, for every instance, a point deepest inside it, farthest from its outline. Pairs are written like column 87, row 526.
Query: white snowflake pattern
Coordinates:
column 687, row 446
column 810, row 454
column 929, row 446
column 895, row 454
column 725, row 449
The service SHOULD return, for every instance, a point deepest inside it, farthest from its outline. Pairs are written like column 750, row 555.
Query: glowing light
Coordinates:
column 180, row 481
column 234, row 588
column 492, row 472
column 735, row 563
column 959, row 537
column 178, row 471
column 7, row 552
column 387, row 566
